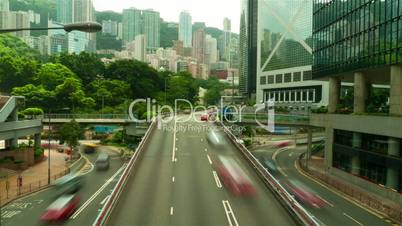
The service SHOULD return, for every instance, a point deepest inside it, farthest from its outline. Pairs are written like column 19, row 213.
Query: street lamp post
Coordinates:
column 89, row 27
column 48, row 151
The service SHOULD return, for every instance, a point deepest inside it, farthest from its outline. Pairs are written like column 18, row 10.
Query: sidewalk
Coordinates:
column 356, row 194
column 33, row 179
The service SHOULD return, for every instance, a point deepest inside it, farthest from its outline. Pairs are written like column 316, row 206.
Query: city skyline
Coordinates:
column 196, row 9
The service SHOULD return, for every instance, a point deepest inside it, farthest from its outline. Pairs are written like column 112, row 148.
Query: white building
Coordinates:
column 110, row 27
column 211, row 50
column 4, row 5
column 9, row 19
column 186, row 29
column 140, row 50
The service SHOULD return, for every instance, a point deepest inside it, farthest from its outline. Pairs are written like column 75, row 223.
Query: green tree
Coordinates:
column 112, row 92
column 144, row 81
column 70, row 133
column 182, row 86
column 70, row 95
column 108, row 41
column 35, row 96
column 51, row 75
column 86, row 66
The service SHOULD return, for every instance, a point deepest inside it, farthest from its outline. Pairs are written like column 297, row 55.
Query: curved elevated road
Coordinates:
column 178, row 187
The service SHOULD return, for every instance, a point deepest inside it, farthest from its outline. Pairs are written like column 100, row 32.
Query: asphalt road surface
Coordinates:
column 338, row 211
column 175, row 184
column 96, row 188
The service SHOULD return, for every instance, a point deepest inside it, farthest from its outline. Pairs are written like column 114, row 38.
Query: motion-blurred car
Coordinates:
column 103, row 162
column 216, row 138
column 303, row 194
column 61, row 209
column 90, row 148
column 270, row 165
column 68, row 184
column 204, row 118
column 233, row 177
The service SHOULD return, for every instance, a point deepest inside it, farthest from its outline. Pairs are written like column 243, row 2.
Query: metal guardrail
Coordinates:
column 290, row 202
column 112, row 201
column 86, row 116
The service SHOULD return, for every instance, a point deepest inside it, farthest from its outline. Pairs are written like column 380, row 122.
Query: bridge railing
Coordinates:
column 288, row 200
column 245, row 117
column 117, row 190
column 86, row 116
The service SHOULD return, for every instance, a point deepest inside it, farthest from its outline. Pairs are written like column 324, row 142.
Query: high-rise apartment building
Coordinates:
column 4, row 5
column 131, row 24
column 227, row 36
column 211, row 50
column 83, row 11
column 359, row 42
column 151, row 29
column 10, row 19
column 110, row 27
column 199, row 38
column 140, row 47
column 284, row 59
column 248, row 47
column 65, row 11
column 185, row 29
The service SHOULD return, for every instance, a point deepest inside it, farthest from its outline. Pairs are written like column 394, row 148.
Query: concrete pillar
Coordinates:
column 355, row 161
column 329, row 141
column 309, row 144
column 396, row 91
column 37, row 140
column 334, row 92
column 361, row 93
column 357, row 140
column 12, row 143
column 392, row 173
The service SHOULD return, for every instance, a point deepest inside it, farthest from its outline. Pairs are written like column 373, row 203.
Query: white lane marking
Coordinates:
column 82, row 208
column 348, row 216
column 89, row 167
column 173, row 179
column 10, row 213
column 206, row 150
column 105, row 200
column 330, row 204
column 290, row 154
column 209, row 160
column 202, row 139
column 171, row 211
column 174, row 142
column 346, row 198
column 277, row 152
column 217, row 181
column 229, row 213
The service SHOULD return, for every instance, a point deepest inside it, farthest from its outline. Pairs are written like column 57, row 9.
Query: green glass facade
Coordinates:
column 248, row 47
column 355, row 34
column 286, row 34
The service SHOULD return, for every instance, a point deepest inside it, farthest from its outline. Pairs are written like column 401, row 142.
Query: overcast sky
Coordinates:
column 211, row 12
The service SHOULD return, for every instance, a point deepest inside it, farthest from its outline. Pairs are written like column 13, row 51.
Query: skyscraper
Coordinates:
column 83, row 11
column 4, row 5
column 65, row 11
column 140, row 46
column 211, row 52
column 199, row 46
column 151, row 28
column 185, row 29
column 227, row 34
column 248, row 47
column 131, row 24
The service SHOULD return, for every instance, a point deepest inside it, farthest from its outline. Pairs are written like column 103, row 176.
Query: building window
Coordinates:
column 297, row 76
column 271, row 79
column 311, row 95
column 263, row 80
column 292, row 96
column 304, row 95
column 307, row 75
column 288, row 77
column 279, row 78
column 287, row 96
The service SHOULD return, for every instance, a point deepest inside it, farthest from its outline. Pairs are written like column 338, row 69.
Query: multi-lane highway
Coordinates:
column 97, row 186
column 339, row 211
column 175, row 184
